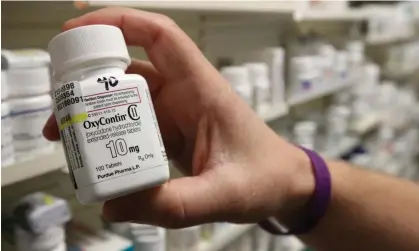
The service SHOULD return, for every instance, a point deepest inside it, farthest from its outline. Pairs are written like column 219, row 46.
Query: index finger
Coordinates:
column 170, row 50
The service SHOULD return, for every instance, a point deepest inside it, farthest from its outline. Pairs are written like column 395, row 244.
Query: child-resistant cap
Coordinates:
column 85, row 46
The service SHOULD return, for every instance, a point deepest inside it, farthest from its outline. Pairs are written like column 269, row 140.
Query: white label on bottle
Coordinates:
column 305, row 73
column 27, row 129
column 108, row 128
column 7, row 153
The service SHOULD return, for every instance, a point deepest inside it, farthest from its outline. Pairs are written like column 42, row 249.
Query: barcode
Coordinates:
column 71, row 144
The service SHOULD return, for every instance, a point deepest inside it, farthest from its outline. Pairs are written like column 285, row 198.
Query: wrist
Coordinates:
column 300, row 187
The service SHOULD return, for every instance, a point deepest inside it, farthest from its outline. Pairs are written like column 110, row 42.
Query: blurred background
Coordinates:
column 339, row 77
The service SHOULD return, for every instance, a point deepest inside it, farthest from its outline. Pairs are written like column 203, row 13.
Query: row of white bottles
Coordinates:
column 260, row 81
column 26, row 103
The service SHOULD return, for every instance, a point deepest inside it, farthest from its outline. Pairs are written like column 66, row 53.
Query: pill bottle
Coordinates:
column 29, row 115
column 327, row 53
column 7, row 151
column 148, row 238
column 336, row 125
column 356, row 57
column 184, row 239
column 52, row 239
column 28, row 73
column 121, row 228
column 305, row 75
column 305, row 133
column 40, row 222
column 274, row 57
column 342, row 67
column 259, row 79
column 106, row 118
column 238, row 77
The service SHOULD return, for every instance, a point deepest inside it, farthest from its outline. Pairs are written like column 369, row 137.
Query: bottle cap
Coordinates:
column 24, row 104
column 305, row 127
column 85, row 46
column 25, row 58
column 24, row 82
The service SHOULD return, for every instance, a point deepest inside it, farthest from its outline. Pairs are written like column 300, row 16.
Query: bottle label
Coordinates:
column 108, row 128
column 7, row 152
column 305, row 73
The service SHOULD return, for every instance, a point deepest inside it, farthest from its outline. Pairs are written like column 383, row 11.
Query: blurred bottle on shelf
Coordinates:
column 28, row 84
column 238, row 77
column 274, row 58
column 7, row 149
column 337, row 125
column 40, row 220
column 184, row 239
column 148, row 238
column 305, row 72
column 305, row 134
column 258, row 77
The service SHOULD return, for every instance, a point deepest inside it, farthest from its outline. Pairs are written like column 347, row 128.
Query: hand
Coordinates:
column 241, row 170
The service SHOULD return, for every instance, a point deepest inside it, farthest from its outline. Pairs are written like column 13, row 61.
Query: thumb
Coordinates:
column 179, row 203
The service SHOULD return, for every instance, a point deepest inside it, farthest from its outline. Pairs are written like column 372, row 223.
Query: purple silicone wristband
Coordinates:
column 318, row 203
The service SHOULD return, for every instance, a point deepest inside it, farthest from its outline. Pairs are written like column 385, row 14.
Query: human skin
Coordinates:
column 238, row 169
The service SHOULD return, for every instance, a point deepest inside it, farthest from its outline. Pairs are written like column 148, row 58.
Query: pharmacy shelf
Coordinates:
column 307, row 96
column 365, row 124
column 225, row 237
column 30, row 168
column 218, row 6
column 344, row 146
column 298, row 9
column 275, row 113
column 389, row 40
column 400, row 74
column 330, row 15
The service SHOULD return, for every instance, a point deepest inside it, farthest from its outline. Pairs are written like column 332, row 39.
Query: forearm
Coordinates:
column 368, row 211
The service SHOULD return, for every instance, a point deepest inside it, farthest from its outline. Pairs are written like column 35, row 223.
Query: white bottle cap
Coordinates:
column 236, row 75
column 87, row 45
column 28, row 81
column 271, row 54
column 305, row 128
column 339, row 111
column 35, row 103
column 26, row 58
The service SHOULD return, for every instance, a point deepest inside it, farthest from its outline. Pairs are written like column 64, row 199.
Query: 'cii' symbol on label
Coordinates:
column 133, row 112
column 112, row 81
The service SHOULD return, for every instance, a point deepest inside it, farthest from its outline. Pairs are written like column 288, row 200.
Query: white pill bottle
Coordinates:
column 106, row 118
